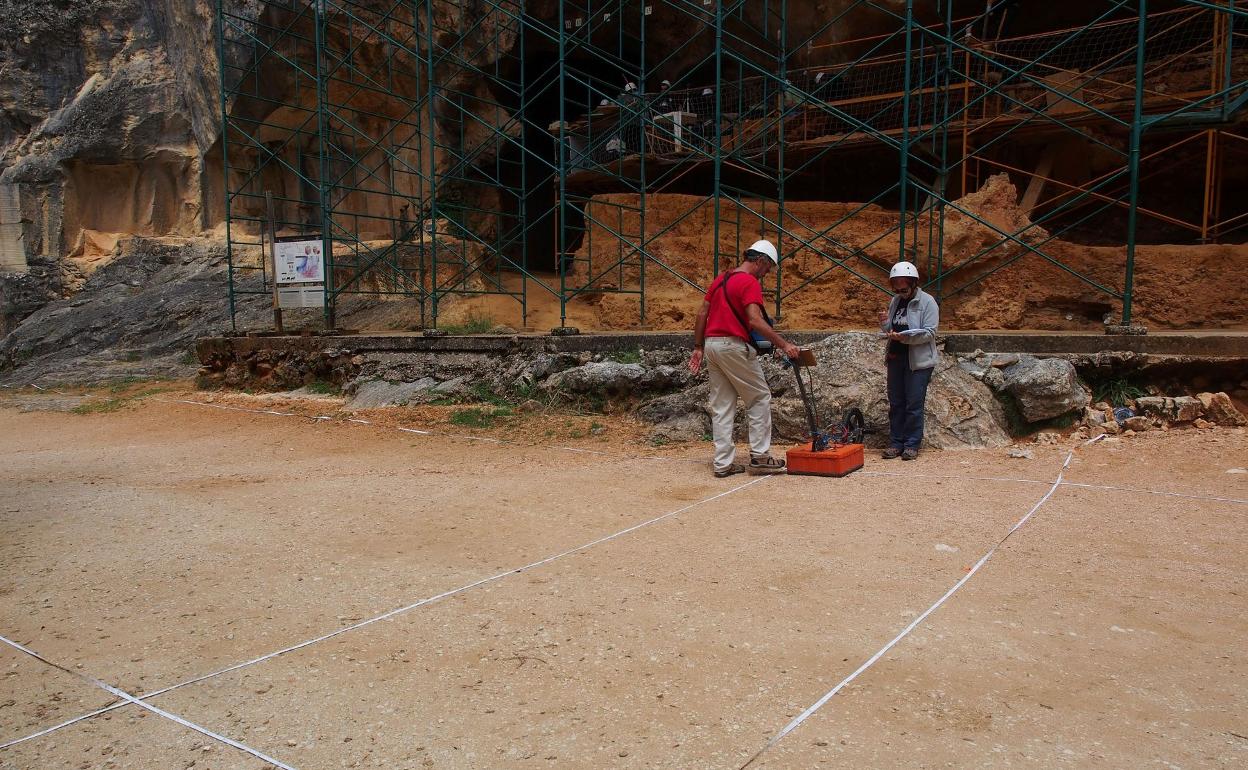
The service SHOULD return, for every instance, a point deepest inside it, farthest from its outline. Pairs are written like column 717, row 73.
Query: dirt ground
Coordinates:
column 149, row 542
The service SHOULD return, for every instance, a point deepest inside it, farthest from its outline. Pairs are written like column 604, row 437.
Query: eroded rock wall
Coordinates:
column 103, row 130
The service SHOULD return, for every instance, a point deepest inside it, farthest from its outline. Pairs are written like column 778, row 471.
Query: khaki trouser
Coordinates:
column 735, row 371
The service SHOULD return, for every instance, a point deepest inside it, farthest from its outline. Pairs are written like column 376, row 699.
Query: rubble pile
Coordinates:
column 1203, row 411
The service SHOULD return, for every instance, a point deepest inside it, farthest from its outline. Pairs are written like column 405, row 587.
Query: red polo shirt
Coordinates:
column 743, row 290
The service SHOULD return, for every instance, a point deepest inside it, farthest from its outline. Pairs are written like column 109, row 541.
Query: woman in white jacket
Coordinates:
column 910, row 326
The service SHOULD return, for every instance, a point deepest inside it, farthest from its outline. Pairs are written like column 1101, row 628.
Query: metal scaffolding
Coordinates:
column 445, row 148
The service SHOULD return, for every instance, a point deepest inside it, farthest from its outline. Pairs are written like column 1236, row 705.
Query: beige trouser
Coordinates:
column 735, row 371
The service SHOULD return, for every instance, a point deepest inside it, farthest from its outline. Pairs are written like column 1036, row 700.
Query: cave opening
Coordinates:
column 532, row 169
column 532, row 216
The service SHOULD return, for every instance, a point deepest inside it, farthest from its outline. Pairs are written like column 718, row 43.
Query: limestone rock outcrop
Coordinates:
column 851, row 374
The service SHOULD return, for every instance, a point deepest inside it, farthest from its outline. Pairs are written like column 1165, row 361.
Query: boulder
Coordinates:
column 1093, row 417
column 1220, row 410
column 456, row 386
column 545, row 364
column 1044, row 388
column 972, row 367
column 1187, row 409
column 998, row 360
column 679, row 404
column 1178, row 409
column 1138, row 424
column 679, row 416
column 960, row 411
column 687, row 427
column 994, row 379
column 608, row 377
column 374, row 394
column 851, row 373
column 664, row 377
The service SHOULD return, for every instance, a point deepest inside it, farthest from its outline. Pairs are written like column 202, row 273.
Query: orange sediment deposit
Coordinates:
column 1007, row 272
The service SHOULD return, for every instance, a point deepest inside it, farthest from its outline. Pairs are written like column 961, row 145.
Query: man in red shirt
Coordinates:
column 732, row 309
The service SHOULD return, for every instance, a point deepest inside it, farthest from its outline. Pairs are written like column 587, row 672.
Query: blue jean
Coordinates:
column 907, row 390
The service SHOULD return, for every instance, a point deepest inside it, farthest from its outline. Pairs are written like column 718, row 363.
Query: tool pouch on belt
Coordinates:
column 756, row 340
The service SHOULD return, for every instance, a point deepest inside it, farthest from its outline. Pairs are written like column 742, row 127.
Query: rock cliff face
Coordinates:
column 110, row 113
column 109, row 127
column 107, row 119
column 110, row 118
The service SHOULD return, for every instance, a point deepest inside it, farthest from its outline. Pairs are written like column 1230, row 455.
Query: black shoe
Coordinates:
column 910, row 453
column 892, row 453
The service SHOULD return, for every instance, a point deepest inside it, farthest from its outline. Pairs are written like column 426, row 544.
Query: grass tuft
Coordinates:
column 100, row 407
column 477, row 417
column 475, row 323
column 1117, row 391
column 324, row 388
column 119, row 400
column 625, row 355
column 481, row 392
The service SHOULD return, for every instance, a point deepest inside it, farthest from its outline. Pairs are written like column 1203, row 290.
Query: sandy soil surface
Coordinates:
column 158, row 542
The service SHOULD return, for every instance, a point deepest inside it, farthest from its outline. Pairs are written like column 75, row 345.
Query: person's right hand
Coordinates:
column 790, row 350
column 695, row 361
column 883, row 316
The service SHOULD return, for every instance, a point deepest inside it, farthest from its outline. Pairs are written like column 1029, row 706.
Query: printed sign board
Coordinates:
column 301, row 295
column 299, row 262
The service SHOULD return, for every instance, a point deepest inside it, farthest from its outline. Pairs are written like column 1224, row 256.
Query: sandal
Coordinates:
column 765, row 464
column 731, row 470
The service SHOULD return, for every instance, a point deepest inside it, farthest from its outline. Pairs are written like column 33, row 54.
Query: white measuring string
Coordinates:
column 127, row 698
column 871, row 661
column 390, row 614
column 1163, row 493
column 12, row 386
column 953, row 477
column 651, row 458
column 1083, row 485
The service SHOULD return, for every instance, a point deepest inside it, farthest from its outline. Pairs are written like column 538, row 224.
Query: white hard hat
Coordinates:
column 766, row 249
column 904, row 270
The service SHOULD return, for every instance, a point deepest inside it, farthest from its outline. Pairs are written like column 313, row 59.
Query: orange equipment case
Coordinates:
column 832, row 459
column 837, row 460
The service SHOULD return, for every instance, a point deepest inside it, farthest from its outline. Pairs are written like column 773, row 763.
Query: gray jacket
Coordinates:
column 922, row 313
